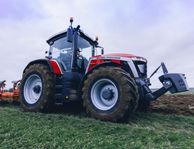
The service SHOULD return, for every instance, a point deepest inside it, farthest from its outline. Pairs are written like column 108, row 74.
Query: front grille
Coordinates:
column 141, row 68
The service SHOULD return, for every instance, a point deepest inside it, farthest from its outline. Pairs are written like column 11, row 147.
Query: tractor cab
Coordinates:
column 72, row 55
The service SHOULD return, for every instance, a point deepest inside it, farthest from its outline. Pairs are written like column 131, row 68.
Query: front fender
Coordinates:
column 96, row 67
column 40, row 61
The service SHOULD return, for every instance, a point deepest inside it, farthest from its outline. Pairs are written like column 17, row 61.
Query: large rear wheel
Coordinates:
column 36, row 90
column 110, row 94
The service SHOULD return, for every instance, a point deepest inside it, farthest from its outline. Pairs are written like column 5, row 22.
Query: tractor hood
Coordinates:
column 121, row 56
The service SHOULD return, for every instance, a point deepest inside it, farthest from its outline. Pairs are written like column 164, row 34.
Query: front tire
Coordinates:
column 37, row 87
column 110, row 94
column 143, row 105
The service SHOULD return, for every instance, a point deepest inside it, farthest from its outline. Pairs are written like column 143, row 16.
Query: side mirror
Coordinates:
column 70, row 34
column 102, row 51
column 70, row 31
column 96, row 41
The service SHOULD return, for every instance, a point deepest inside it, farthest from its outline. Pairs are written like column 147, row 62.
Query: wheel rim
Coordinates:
column 104, row 94
column 32, row 89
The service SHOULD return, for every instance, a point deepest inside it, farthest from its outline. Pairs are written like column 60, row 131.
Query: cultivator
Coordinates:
column 11, row 95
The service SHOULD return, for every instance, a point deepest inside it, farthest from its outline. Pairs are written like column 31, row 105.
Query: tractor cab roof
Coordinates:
column 52, row 39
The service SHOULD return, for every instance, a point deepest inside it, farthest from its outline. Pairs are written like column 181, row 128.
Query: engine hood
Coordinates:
column 120, row 56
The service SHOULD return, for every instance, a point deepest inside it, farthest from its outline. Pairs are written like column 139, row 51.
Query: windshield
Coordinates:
column 63, row 50
column 85, row 48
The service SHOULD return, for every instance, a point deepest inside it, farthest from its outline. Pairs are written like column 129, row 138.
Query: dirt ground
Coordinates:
column 166, row 104
column 174, row 104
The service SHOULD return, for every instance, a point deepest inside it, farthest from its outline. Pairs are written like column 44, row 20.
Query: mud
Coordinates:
column 174, row 104
column 166, row 104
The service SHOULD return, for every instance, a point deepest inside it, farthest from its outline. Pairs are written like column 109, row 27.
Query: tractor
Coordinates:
column 110, row 86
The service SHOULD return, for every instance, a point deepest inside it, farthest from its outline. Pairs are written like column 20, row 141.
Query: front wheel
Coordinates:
column 109, row 94
column 143, row 105
column 36, row 90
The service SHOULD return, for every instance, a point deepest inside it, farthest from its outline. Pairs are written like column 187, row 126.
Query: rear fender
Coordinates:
column 52, row 64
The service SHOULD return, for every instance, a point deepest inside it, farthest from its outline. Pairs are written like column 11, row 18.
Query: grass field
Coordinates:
column 37, row 130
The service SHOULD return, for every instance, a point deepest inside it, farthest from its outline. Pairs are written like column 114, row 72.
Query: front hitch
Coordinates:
column 172, row 82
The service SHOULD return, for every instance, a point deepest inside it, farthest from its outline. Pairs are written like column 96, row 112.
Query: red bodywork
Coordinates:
column 123, row 55
column 55, row 67
column 114, row 57
column 10, row 95
column 99, row 59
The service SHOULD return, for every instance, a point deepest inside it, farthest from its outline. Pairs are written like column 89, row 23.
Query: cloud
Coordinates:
column 158, row 30
column 18, row 9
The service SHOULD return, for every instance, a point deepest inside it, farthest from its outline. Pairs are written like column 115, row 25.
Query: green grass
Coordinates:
column 37, row 130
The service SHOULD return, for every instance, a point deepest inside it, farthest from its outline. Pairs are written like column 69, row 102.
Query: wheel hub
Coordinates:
column 33, row 89
column 107, row 94
column 104, row 94
column 37, row 89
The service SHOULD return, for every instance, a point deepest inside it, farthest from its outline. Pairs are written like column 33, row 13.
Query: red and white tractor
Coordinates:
column 111, row 86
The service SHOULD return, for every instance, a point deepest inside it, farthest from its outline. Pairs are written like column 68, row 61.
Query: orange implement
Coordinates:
column 2, row 85
column 12, row 94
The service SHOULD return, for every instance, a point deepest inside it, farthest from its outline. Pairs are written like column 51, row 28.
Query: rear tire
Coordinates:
column 109, row 94
column 37, row 89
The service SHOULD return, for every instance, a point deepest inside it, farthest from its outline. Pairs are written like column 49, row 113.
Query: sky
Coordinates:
column 159, row 30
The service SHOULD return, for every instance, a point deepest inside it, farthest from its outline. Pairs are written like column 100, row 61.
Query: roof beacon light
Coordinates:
column 71, row 20
column 96, row 38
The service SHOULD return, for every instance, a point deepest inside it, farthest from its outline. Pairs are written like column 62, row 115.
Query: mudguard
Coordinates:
column 51, row 63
